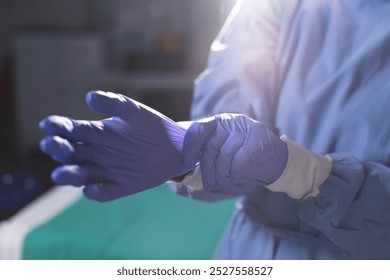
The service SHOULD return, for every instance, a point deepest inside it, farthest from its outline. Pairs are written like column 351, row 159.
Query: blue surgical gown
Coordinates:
column 318, row 72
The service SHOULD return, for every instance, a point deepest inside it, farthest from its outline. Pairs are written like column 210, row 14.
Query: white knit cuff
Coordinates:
column 304, row 172
column 192, row 179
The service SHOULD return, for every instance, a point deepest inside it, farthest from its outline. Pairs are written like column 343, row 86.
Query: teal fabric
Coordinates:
column 155, row 224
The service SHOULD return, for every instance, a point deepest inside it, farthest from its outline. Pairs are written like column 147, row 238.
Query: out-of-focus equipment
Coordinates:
column 17, row 189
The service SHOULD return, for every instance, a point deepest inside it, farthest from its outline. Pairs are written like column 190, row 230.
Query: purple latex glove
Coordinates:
column 236, row 154
column 136, row 149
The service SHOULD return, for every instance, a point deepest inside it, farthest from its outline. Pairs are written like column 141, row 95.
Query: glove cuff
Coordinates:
column 304, row 172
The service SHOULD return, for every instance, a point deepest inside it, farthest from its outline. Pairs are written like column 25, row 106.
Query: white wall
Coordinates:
column 19, row 15
column 58, row 55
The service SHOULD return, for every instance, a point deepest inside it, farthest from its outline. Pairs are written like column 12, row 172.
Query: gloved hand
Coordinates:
column 236, row 154
column 136, row 149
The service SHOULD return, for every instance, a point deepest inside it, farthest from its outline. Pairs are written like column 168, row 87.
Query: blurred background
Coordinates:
column 54, row 51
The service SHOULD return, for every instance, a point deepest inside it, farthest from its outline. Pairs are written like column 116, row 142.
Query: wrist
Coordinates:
column 304, row 172
column 192, row 179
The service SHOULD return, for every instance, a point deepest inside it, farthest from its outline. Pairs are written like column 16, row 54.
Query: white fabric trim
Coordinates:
column 304, row 172
column 14, row 231
column 192, row 180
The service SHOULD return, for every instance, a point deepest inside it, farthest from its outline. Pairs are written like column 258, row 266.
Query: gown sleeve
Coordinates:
column 240, row 75
column 353, row 207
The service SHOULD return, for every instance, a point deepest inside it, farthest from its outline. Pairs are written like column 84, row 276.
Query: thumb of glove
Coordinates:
column 195, row 138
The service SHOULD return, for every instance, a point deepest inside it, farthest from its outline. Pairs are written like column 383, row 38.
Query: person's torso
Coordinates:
column 334, row 66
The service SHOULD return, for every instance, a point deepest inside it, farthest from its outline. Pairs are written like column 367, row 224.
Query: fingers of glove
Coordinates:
column 210, row 154
column 75, row 130
column 56, row 125
column 111, row 104
column 106, row 191
column 247, row 172
column 267, row 153
column 58, row 148
column 78, row 175
column 226, row 156
column 65, row 152
column 240, row 162
column 256, row 137
column 194, row 140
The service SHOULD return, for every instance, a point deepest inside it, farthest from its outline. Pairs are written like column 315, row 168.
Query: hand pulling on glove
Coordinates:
column 235, row 153
column 138, row 148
